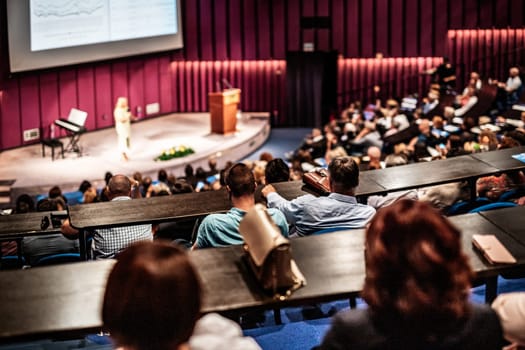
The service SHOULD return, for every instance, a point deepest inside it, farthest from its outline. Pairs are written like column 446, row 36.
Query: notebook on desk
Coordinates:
column 492, row 249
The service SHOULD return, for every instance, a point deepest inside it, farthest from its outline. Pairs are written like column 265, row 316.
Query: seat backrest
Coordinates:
column 492, row 206
column 56, row 259
column 331, row 229
column 464, row 207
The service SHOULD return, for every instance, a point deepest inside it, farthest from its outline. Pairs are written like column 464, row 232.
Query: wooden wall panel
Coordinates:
column 11, row 116
column 235, row 33
column 29, row 112
column 491, row 52
column 86, row 96
column 49, row 108
column 103, row 97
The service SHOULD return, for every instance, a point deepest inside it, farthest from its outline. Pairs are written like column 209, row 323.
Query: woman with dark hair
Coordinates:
column 153, row 301
column 417, row 287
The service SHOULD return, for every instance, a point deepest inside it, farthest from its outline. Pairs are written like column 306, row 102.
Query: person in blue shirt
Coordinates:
column 340, row 210
column 220, row 230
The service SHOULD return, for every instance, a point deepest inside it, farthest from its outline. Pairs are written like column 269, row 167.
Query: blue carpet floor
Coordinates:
column 281, row 140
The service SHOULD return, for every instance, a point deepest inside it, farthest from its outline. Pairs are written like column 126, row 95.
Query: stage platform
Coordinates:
column 34, row 174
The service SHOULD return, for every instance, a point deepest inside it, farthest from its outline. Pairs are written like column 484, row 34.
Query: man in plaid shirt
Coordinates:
column 108, row 242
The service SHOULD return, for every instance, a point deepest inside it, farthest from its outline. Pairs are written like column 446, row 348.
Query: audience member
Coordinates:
column 510, row 91
column 24, row 204
column 510, row 308
column 37, row 247
column 416, row 287
column 431, row 103
column 153, row 301
column 425, row 139
column 56, row 192
column 374, row 156
column 276, row 171
column 218, row 230
column 340, row 209
column 444, row 75
column 108, row 242
column 84, row 186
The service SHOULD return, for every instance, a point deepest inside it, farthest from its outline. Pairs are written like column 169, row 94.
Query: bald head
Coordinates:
column 119, row 185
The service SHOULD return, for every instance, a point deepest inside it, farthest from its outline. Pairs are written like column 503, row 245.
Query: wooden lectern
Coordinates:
column 223, row 110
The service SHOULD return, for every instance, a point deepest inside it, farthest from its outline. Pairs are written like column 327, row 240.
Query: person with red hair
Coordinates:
column 153, row 301
column 416, row 287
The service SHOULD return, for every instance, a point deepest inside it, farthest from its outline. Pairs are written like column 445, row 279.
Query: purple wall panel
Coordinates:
column 411, row 28
column 322, row 39
column 188, row 86
column 397, row 18
column 29, row 112
column 456, row 11
column 426, row 32
column 181, row 87
column 206, row 37
column 103, row 96
column 308, row 10
column 165, row 86
column 352, row 29
column 195, row 81
column 191, row 30
column 486, row 16
column 471, row 14
column 220, row 30
column 501, row 12
column 249, row 31
column 516, row 13
column 382, row 32
column 48, row 96
column 151, row 80
column 204, row 89
column 278, row 29
column 67, row 85
column 235, row 25
column 367, row 29
column 263, row 30
column 119, row 80
column 338, row 25
column 440, row 26
column 11, row 121
column 293, row 30
column 86, row 96
column 135, row 83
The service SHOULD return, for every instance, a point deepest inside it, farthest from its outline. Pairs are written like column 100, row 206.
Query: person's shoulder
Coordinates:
column 480, row 312
column 354, row 317
column 275, row 212
column 484, row 319
column 214, row 332
column 353, row 327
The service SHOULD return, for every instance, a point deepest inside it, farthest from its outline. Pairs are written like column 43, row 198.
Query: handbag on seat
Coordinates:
column 268, row 254
column 318, row 180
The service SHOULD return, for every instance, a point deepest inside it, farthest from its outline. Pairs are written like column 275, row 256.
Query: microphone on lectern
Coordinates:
column 227, row 83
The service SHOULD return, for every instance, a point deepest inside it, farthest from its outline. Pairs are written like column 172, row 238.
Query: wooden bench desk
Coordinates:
column 67, row 299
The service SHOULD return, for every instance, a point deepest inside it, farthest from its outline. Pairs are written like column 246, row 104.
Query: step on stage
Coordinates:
column 35, row 174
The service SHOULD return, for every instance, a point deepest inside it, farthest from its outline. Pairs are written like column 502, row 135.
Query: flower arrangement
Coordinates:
column 175, row 152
